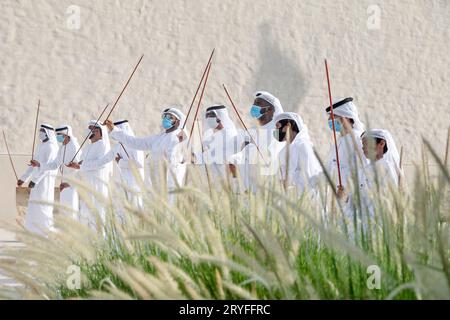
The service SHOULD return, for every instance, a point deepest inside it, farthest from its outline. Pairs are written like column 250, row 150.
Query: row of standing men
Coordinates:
column 277, row 146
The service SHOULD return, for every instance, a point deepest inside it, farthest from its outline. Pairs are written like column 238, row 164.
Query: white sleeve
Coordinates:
column 47, row 158
column 134, row 142
column 95, row 164
column 53, row 165
column 27, row 174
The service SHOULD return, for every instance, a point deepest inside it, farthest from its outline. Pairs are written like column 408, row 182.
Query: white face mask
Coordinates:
column 42, row 136
column 211, row 123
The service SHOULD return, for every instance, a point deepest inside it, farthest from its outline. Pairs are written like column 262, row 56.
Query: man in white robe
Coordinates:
column 254, row 165
column 383, row 169
column 379, row 177
column 299, row 167
column 68, row 148
column 97, row 177
column 128, row 159
column 348, row 129
column 166, row 168
column 39, row 217
column 219, row 144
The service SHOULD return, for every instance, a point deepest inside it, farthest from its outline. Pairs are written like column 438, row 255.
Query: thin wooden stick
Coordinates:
column 35, row 128
column 198, row 88
column 90, row 132
column 126, row 85
column 334, row 129
column 9, row 155
column 199, row 103
column 242, row 122
column 123, row 147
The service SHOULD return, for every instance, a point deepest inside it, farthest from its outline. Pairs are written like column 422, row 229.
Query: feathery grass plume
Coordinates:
column 273, row 244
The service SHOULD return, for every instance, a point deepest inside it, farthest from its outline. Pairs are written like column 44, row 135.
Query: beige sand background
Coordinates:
column 392, row 56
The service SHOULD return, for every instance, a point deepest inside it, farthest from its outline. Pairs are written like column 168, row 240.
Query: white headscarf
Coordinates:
column 67, row 130
column 104, row 140
column 347, row 109
column 105, row 136
column 125, row 127
column 392, row 155
column 72, row 146
column 270, row 98
column 50, row 132
column 303, row 134
column 305, row 174
column 222, row 114
column 94, row 123
column 177, row 114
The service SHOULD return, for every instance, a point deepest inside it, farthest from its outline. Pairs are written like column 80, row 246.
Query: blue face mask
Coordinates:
column 255, row 112
column 337, row 125
column 60, row 138
column 167, row 123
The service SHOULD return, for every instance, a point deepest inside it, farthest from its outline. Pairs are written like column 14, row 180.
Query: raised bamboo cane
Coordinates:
column 199, row 103
column 90, row 132
column 9, row 155
column 198, row 88
column 334, row 129
column 123, row 89
column 35, row 128
column 126, row 152
column 242, row 122
column 120, row 95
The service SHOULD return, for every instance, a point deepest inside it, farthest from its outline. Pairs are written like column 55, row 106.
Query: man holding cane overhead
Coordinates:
column 166, row 167
column 97, row 176
column 127, row 159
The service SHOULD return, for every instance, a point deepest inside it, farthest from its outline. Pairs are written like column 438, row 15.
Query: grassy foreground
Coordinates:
column 273, row 245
